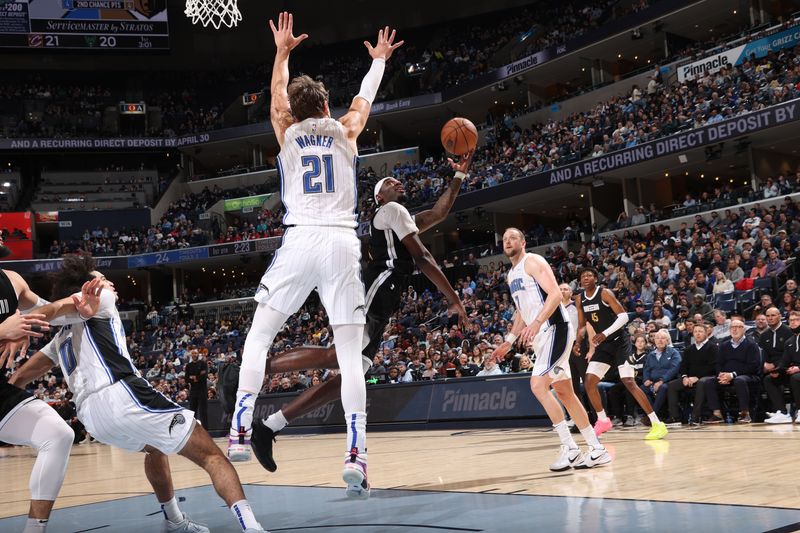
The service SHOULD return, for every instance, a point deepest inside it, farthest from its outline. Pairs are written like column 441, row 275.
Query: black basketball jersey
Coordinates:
column 387, row 252
column 8, row 297
column 598, row 313
column 10, row 396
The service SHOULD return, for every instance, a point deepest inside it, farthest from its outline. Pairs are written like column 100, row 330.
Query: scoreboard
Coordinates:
column 84, row 24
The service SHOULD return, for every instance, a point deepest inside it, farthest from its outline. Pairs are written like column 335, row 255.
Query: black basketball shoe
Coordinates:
column 261, row 442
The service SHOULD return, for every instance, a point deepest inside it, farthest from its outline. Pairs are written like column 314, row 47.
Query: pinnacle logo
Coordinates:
column 557, row 370
column 455, row 401
column 176, row 421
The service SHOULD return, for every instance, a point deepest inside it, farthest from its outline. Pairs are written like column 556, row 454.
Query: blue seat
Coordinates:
column 729, row 306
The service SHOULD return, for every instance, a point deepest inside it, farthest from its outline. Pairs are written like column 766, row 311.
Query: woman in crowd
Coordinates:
column 525, row 364
column 723, row 285
column 760, row 270
column 657, row 315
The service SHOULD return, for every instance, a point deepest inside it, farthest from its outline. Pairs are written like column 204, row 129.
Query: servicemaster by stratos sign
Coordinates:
column 736, row 56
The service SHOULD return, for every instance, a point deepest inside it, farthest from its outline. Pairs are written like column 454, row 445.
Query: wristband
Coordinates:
column 510, row 338
column 460, row 175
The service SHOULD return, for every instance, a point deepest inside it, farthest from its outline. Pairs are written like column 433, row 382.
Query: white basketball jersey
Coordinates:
column 529, row 297
column 317, row 167
column 92, row 354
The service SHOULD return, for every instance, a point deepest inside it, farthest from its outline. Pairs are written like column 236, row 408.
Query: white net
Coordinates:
column 214, row 12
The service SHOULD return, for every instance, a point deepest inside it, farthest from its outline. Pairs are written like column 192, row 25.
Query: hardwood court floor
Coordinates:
column 740, row 465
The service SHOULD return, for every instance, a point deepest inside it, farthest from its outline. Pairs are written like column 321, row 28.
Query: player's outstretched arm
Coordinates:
column 36, row 367
column 77, row 308
column 426, row 263
column 356, row 118
column 427, row 219
column 280, row 113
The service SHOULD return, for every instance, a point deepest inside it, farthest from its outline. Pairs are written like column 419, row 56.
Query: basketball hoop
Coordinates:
column 214, row 12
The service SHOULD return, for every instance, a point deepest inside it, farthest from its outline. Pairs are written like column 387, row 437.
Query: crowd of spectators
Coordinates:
column 437, row 57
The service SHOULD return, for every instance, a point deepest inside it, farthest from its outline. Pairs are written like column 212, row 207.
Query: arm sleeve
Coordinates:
column 372, row 81
column 51, row 351
column 397, row 218
column 621, row 320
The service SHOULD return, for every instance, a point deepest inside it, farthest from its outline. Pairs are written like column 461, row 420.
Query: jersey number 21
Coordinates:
column 311, row 185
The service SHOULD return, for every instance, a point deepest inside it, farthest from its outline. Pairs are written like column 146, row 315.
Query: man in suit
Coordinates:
column 699, row 361
column 738, row 366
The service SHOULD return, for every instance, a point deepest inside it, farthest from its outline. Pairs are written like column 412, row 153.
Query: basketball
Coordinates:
column 459, row 136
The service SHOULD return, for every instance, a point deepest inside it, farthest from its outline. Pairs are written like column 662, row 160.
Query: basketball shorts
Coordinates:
column 323, row 257
column 615, row 352
column 130, row 414
column 552, row 347
column 384, row 288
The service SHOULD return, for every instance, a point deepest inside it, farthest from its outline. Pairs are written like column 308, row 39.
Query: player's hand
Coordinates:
column 284, row 38
column 457, row 308
column 529, row 333
column 576, row 349
column 385, row 45
column 590, row 353
column 792, row 370
column 597, row 339
column 19, row 325
column 499, row 353
column 88, row 303
column 463, row 163
column 686, row 382
column 9, row 350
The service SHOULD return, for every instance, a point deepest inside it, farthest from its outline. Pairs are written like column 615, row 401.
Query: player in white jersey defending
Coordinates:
column 541, row 321
column 320, row 249
column 24, row 420
column 120, row 408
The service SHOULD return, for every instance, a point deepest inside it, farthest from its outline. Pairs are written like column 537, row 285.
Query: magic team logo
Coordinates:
column 176, row 421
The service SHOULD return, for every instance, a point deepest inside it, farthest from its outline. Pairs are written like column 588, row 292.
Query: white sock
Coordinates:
column 356, row 431
column 564, row 435
column 653, row 417
column 171, row 511
column 35, row 525
column 590, row 438
column 243, row 414
column 601, row 415
column 244, row 515
column 276, row 421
